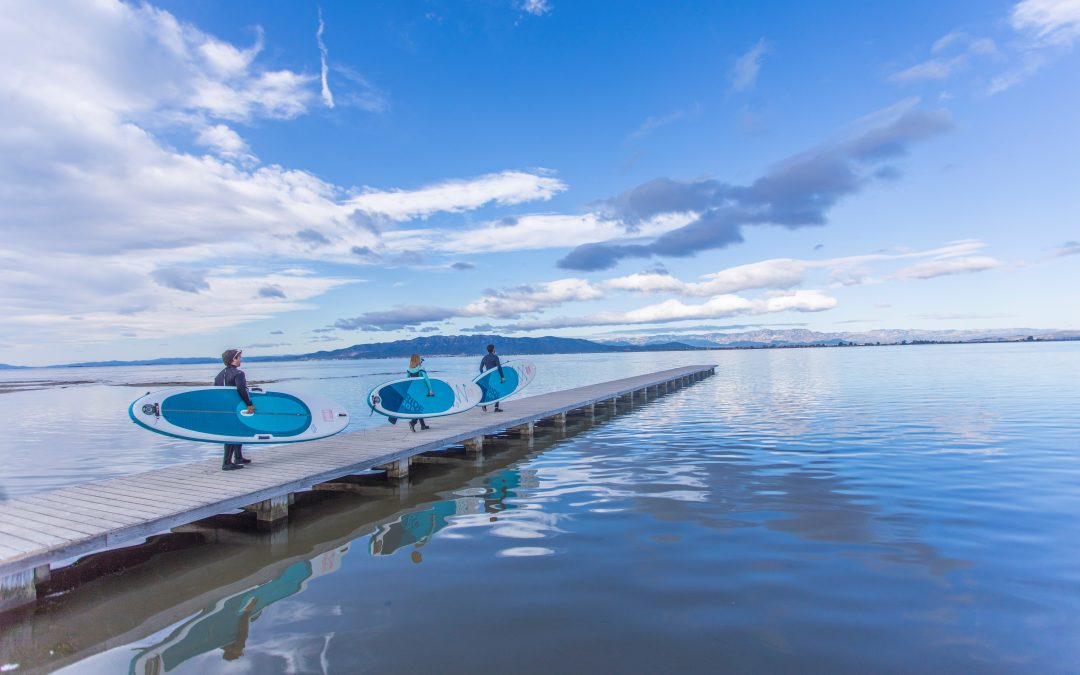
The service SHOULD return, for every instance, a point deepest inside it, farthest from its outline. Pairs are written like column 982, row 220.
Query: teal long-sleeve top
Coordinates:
column 419, row 372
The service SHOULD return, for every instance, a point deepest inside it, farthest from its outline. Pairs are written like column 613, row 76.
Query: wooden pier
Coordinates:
column 40, row 531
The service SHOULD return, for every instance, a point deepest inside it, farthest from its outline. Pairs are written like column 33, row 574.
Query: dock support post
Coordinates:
column 17, row 590
column 560, row 421
column 525, row 430
column 474, row 447
column 396, row 470
column 273, row 509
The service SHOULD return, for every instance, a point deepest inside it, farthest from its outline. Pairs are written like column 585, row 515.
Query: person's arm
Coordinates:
column 241, row 388
column 430, row 391
column 498, row 364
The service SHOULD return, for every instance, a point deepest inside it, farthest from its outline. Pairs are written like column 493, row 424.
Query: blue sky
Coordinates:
column 181, row 177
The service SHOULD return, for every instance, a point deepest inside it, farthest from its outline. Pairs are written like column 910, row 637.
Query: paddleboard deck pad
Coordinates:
column 219, row 415
column 408, row 398
column 518, row 375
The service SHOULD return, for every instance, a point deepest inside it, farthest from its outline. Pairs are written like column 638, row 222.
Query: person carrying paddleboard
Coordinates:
column 416, row 370
column 491, row 360
column 232, row 376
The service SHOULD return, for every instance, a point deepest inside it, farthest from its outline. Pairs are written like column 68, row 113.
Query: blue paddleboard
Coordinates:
column 407, row 398
column 518, row 375
column 219, row 415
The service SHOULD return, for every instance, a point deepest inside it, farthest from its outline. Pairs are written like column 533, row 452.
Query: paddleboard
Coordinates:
column 407, row 398
column 218, row 415
column 518, row 375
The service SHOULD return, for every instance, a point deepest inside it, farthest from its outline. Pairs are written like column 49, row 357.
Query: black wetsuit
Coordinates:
column 231, row 376
column 490, row 361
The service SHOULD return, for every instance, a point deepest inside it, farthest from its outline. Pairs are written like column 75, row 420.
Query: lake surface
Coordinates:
column 889, row 509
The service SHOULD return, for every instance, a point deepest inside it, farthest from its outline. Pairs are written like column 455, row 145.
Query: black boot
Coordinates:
column 424, row 426
column 497, row 408
column 240, row 459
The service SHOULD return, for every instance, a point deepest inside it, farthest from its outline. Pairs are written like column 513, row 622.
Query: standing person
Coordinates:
column 416, row 370
column 491, row 360
column 232, row 376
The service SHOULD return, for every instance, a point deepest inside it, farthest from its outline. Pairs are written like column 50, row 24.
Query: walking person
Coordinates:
column 416, row 369
column 232, row 376
column 491, row 360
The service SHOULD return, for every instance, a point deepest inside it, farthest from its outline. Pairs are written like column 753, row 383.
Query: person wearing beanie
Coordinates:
column 491, row 360
column 232, row 376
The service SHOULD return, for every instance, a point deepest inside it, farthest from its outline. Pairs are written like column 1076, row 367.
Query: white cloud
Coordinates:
column 945, row 266
column 721, row 306
column 1050, row 21
column 505, row 188
column 745, row 72
column 530, row 232
column 327, row 95
column 226, row 143
column 527, row 299
column 536, row 7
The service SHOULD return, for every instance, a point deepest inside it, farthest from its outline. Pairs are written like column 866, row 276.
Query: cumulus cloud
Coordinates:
column 462, row 266
column 798, row 192
column 745, row 72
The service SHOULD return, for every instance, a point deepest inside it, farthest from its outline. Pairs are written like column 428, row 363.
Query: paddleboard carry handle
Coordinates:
column 152, row 409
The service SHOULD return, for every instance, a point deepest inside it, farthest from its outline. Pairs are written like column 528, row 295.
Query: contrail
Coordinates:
column 327, row 95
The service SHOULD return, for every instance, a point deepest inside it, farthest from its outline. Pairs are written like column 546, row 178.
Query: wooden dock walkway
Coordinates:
column 50, row 528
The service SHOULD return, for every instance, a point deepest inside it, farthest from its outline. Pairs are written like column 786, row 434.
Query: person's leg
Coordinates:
column 412, row 425
column 423, row 424
column 239, row 458
column 229, row 463
column 497, row 408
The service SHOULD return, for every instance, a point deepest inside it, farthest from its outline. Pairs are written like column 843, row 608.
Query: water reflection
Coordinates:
column 417, row 527
column 225, row 625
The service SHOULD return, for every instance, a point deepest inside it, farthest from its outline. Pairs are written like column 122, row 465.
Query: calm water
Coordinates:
column 894, row 509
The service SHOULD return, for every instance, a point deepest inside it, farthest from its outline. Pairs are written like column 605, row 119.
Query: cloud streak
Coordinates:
column 745, row 72
column 327, row 95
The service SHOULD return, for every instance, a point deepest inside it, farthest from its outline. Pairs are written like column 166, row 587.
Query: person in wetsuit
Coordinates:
column 415, row 369
column 232, row 376
column 491, row 360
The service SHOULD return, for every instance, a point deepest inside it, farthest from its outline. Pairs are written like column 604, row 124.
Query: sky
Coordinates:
column 181, row 177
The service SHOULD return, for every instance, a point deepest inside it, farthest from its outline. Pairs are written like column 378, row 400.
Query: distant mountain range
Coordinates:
column 452, row 345
column 458, row 345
